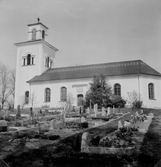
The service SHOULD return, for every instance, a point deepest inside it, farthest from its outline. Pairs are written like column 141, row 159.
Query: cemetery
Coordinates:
column 103, row 132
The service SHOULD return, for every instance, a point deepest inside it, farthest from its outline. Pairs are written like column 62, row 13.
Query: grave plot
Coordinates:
column 124, row 141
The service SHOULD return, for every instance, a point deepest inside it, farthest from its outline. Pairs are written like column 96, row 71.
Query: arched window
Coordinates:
column 34, row 34
column 27, row 97
column 28, row 59
column 43, row 34
column 47, row 94
column 117, row 89
column 63, row 94
column 151, row 90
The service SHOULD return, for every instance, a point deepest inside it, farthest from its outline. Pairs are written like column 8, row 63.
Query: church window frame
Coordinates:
column 47, row 94
column 27, row 97
column 28, row 60
column 117, row 89
column 34, row 34
column 151, row 91
column 48, row 62
column 63, row 94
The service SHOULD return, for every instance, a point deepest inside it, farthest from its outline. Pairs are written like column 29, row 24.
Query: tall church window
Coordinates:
column 151, row 90
column 43, row 34
column 117, row 89
column 34, row 34
column 47, row 94
column 63, row 94
column 27, row 97
column 28, row 59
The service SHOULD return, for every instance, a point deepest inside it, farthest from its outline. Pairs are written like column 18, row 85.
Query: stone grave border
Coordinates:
column 110, row 150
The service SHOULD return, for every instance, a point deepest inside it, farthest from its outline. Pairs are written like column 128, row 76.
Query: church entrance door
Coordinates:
column 80, row 99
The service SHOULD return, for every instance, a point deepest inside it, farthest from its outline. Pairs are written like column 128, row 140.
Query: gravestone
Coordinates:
column 145, row 125
column 83, row 119
column 141, row 112
column 88, row 110
column 53, row 124
column 137, row 114
column 113, row 109
column 119, row 125
column 103, row 112
column 86, row 140
column 108, row 111
column 18, row 114
column 151, row 114
column 95, row 110
column 3, row 126
column 31, row 113
column 127, row 124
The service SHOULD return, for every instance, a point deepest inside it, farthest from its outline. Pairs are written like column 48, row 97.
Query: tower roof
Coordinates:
column 36, row 41
column 123, row 68
column 39, row 23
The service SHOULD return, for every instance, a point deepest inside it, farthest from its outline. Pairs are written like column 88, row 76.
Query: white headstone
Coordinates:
column 95, row 109
column 86, row 140
column 141, row 112
column 53, row 125
column 137, row 113
column 103, row 112
column 126, row 124
column 108, row 111
column 119, row 125
column 151, row 114
column 88, row 110
column 113, row 109
column 83, row 119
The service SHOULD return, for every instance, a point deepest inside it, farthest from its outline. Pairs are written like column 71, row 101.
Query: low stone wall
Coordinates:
column 108, row 150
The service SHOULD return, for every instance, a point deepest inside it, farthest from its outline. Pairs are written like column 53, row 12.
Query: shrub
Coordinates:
column 137, row 104
column 118, row 101
column 134, row 100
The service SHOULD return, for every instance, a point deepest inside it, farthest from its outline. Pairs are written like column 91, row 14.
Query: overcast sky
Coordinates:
column 86, row 31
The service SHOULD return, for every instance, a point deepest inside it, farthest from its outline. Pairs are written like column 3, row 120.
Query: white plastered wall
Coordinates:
column 144, row 81
column 78, row 86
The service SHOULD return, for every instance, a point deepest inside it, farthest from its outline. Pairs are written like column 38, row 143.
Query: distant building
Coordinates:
column 38, row 81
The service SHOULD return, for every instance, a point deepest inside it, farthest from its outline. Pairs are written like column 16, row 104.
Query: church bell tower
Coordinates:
column 34, row 57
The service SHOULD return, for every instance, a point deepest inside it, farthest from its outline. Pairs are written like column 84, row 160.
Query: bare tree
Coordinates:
column 22, row 102
column 67, row 105
column 134, row 100
column 12, row 78
column 5, row 91
column 32, row 99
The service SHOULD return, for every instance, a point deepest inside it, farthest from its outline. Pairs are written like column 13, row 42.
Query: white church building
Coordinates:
column 38, row 82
